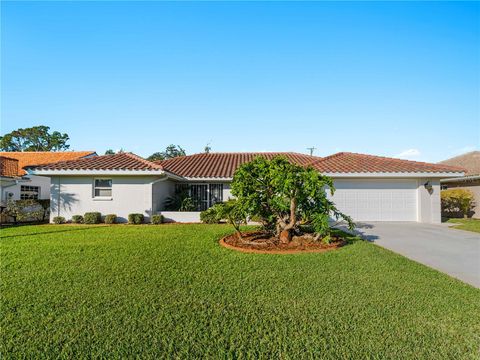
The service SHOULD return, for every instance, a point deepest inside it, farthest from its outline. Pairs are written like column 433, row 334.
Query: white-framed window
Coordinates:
column 28, row 192
column 102, row 188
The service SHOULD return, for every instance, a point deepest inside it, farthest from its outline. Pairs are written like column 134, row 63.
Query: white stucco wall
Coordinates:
column 73, row 195
column 429, row 204
column 161, row 190
column 31, row 180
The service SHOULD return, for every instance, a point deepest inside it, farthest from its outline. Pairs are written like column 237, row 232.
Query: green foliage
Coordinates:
column 137, row 292
column 59, row 220
column 170, row 152
column 92, row 218
column 213, row 215
column 26, row 210
column 109, row 152
column 37, row 138
column 180, row 201
column 457, row 202
column 77, row 219
column 284, row 195
column 136, row 219
column 157, row 219
column 110, row 219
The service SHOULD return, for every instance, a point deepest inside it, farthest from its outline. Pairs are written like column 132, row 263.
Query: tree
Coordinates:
column 109, row 152
column 207, row 148
column 170, row 152
column 36, row 138
column 285, row 196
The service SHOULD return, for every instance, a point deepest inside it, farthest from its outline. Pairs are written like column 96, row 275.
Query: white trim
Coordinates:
column 461, row 179
column 87, row 172
column 360, row 175
column 205, row 179
column 393, row 175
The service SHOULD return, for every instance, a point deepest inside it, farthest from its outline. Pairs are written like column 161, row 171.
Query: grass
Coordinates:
column 172, row 291
column 466, row 224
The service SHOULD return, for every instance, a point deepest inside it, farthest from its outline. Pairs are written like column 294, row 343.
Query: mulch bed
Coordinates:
column 262, row 243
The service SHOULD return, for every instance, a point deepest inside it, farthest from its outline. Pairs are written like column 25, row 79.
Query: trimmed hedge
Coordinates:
column 59, row 220
column 136, row 219
column 111, row 219
column 157, row 219
column 77, row 219
column 92, row 218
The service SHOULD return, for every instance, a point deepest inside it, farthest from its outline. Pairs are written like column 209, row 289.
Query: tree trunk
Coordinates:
column 285, row 236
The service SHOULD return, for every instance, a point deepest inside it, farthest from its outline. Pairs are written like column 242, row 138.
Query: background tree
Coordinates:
column 36, row 138
column 109, row 152
column 207, row 148
column 170, row 152
column 285, row 196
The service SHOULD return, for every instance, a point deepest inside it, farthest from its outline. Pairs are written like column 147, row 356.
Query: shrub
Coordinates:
column 25, row 210
column 457, row 202
column 77, row 219
column 136, row 219
column 111, row 219
column 59, row 220
column 92, row 218
column 213, row 215
column 157, row 219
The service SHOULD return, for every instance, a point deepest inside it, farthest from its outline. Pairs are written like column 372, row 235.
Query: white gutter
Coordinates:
column 356, row 175
column 45, row 172
column 461, row 179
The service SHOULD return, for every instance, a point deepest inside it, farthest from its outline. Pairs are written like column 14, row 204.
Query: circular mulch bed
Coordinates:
column 261, row 243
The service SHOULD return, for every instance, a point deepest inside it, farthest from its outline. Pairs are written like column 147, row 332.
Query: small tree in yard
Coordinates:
column 285, row 196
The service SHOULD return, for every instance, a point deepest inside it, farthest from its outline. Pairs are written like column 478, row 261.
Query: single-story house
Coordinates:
column 19, row 185
column 471, row 181
column 369, row 188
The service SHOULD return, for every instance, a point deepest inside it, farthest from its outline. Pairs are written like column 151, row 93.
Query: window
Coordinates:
column 203, row 195
column 102, row 188
column 29, row 192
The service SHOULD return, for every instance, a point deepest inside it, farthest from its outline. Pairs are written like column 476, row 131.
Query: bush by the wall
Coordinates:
column 213, row 215
column 157, row 219
column 77, row 219
column 59, row 220
column 457, row 203
column 92, row 218
column 136, row 219
column 111, row 219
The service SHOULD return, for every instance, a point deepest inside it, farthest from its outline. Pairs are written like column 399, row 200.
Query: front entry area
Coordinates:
column 377, row 200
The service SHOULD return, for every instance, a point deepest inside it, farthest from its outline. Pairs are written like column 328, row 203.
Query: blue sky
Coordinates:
column 378, row 78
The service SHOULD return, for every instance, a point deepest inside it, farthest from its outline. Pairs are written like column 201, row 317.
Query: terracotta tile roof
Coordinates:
column 345, row 162
column 8, row 167
column 120, row 161
column 30, row 158
column 469, row 161
column 222, row 165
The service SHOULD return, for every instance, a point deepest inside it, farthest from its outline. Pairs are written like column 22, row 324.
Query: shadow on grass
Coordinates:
column 359, row 231
column 54, row 232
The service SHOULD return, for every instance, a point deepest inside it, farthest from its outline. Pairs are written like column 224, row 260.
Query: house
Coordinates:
column 369, row 188
column 471, row 181
column 19, row 185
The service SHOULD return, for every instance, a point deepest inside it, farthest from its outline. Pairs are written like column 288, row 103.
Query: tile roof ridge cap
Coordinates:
column 51, row 152
column 144, row 161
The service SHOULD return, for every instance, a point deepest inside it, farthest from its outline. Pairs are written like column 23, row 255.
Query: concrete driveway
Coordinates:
column 454, row 252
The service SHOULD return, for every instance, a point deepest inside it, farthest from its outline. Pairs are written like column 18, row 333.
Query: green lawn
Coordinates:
column 172, row 291
column 466, row 224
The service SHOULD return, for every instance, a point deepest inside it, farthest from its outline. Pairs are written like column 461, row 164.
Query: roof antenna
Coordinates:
column 311, row 149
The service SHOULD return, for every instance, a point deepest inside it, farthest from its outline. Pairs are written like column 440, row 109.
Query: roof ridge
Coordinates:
column 49, row 152
column 145, row 161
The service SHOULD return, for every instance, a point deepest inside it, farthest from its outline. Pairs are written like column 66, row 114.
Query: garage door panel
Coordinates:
column 374, row 200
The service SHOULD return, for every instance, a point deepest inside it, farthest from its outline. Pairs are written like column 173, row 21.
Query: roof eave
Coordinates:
column 96, row 172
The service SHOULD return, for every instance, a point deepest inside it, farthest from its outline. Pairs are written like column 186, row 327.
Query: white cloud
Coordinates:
column 409, row 154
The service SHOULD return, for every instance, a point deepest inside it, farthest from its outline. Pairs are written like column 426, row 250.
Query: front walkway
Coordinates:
column 454, row 252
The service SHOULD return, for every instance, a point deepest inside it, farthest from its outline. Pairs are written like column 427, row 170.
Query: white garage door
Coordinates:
column 377, row 200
